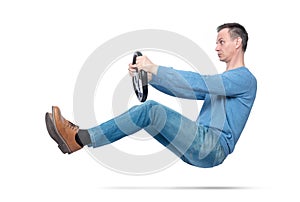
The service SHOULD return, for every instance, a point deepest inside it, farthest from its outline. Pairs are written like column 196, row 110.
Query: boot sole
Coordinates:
column 55, row 135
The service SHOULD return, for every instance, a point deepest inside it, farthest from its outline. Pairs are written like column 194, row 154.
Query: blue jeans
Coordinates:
column 194, row 144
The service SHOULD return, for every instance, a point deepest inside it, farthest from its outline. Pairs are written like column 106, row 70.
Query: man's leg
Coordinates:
column 152, row 116
column 166, row 125
column 194, row 144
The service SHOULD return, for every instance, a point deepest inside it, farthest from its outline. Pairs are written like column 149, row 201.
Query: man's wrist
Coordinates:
column 154, row 69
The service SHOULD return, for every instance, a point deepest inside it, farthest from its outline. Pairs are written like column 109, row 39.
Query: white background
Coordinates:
column 43, row 46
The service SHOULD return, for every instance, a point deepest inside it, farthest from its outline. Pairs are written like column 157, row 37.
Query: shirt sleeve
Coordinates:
column 192, row 85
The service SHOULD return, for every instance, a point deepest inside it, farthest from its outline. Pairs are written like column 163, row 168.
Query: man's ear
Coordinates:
column 238, row 42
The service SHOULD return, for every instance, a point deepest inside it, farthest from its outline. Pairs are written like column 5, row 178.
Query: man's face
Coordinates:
column 226, row 46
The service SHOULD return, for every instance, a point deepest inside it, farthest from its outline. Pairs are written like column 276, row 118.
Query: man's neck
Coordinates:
column 235, row 62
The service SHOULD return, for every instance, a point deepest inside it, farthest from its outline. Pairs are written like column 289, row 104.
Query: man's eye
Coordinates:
column 222, row 42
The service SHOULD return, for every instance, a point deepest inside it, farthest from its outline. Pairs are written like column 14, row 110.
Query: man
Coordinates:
column 206, row 142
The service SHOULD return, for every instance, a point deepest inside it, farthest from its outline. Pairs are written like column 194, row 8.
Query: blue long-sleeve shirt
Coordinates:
column 228, row 98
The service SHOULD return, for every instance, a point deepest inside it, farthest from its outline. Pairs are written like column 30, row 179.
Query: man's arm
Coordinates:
column 176, row 83
column 193, row 85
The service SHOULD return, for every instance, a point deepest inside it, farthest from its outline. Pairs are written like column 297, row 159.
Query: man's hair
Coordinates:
column 236, row 30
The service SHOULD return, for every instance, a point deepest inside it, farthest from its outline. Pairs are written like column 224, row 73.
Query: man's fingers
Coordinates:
column 132, row 69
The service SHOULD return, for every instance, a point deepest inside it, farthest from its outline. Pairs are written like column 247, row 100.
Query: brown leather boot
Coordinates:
column 66, row 131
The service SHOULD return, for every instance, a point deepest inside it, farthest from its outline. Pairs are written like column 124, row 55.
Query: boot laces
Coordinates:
column 72, row 125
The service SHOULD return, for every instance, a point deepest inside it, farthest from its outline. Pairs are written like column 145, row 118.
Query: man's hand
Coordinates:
column 143, row 63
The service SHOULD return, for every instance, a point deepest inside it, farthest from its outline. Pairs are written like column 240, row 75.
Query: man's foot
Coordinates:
column 62, row 131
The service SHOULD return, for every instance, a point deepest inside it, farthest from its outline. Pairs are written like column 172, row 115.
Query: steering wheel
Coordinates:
column 140, row 80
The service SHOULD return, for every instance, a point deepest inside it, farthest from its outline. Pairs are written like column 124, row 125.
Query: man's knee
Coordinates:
column 158, row 115
column 151, row 103
column 156, row 112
